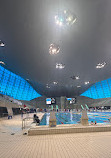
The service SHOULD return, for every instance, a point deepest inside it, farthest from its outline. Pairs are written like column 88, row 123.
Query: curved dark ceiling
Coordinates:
column 27, row 27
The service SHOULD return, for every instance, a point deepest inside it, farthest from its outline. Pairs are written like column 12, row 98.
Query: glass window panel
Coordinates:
column 99, row 89
column 13, row 85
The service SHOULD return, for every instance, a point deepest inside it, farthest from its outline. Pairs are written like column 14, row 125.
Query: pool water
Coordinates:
column 74, row 118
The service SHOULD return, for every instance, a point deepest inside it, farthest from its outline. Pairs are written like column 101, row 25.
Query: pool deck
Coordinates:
column 63, row 129
column 73, row 145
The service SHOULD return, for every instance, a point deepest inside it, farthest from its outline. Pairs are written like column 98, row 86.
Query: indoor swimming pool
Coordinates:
column 74, row 118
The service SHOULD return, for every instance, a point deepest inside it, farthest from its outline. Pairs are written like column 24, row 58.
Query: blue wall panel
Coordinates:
column 99, row 90
column 15, row 86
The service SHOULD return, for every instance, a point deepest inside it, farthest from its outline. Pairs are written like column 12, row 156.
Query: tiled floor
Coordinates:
column 84, row 145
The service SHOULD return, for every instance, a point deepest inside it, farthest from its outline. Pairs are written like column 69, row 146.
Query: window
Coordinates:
column 15, row 86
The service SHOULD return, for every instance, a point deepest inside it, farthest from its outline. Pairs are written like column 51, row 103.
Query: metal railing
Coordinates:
column 24, row 122
column 3, row 115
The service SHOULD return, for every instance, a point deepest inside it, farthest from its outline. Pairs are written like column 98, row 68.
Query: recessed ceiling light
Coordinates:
column 75, row 77
column 55, row 82
column 47, row 86
column 100, row 65
column 87, row 82
column 54, row 49
column 60, row 66
column 65, row 18
column 27, row 79
column 78, row 86
column 1, row 62
column 1, row 44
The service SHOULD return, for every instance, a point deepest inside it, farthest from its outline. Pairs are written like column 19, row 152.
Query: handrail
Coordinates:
column 24, row 121
column 3, row 114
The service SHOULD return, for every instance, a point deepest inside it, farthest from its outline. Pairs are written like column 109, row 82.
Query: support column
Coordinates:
column 63, row 102
column 10, row 112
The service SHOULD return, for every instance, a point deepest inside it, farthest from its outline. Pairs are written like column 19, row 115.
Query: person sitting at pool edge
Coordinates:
column 36, row 119
column 93, row 123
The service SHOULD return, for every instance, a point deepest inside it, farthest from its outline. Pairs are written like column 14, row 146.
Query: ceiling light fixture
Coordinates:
column 54, row 49
column 75, row 77
column 1, row 62
column 1, row 44
column 87, row 82
column 60, row 66
column 47, row 86
column 55, row 83
column 100, row 65
column 78, row 86
column 65, row 18
column 27, row 79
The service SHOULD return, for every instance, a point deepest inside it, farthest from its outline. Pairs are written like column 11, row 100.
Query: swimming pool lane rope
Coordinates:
column 62, row 118
column 59, row 121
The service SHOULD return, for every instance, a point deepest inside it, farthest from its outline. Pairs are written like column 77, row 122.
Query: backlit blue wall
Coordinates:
column 99, row 90
column 15, row 86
